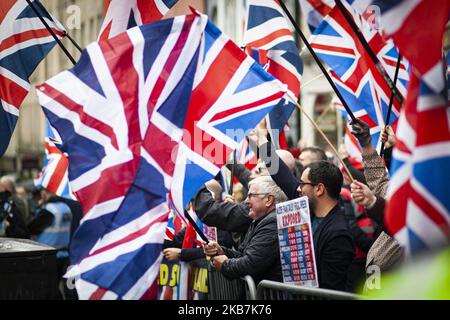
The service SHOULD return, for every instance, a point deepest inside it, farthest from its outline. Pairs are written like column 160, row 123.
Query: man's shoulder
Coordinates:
column 269, row 219
column 337, row 223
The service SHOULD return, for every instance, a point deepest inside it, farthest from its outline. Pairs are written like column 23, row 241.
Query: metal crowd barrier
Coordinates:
column 272, row 290
column 220, row 288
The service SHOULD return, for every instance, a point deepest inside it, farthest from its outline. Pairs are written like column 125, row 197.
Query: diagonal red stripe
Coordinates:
column 131, row 236
column 11, row 92
column 84, row 117
column 18, row 38
column 227, row 113
column 269, row 38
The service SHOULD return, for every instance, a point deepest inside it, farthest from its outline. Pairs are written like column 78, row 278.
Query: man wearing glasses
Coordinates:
column 258, row 255
column 321, row 181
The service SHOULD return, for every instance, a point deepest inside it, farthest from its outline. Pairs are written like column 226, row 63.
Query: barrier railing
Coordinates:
column 250, row 287
column 271, row 290
column 220, row 288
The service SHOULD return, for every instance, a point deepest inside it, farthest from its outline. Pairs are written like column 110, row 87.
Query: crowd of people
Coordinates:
column 347, row 215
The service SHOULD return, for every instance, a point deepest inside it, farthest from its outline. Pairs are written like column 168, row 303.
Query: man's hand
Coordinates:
column 218, row 261
column 172, row 254
column 361, row 131
column 229, row 198
column 362, row 194
column 212, row 249
column 258, row 136
column 388, row 137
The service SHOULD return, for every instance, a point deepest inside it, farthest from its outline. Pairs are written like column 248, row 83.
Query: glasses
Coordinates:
column 305, row 183
column 251, row 195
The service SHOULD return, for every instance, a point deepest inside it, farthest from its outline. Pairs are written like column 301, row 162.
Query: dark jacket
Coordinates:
column 227, row 216
column 333, row 242
column 190, row 254
column 334, row 250
column 259, row 253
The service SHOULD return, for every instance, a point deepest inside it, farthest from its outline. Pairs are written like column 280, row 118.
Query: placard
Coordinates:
column 298, row 262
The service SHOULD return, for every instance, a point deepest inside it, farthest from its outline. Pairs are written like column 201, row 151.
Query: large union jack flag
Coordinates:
column 24, row 43
column 418, row 212
column 120, row 15
column 354, row 73
column 54, row 175
column 269, row 41
column 414, row 24
column 120, row 113
column 231, row 94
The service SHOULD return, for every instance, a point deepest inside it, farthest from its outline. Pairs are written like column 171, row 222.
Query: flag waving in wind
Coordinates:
column 269, row 41
column 355, row 74
column 120, row 15
column 418, row 211
column 417, row 28
column 120, row 113
column 54, row 176
column 24, row 43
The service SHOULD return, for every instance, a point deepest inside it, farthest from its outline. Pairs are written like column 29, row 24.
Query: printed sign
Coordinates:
column 296, row 244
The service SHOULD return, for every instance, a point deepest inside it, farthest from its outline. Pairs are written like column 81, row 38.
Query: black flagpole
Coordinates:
column 369, row 50
column 391, row 100
column 51, row 32
column 316, row 58
column 196, row 228
column 72, row 40
column 65, row 33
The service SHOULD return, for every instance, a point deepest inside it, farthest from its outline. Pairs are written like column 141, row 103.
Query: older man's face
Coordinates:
column 257, row 201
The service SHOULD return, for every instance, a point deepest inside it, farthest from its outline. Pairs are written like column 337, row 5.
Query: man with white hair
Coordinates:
column 259, row 253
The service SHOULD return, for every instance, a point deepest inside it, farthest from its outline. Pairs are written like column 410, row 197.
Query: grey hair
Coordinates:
column 266, row 184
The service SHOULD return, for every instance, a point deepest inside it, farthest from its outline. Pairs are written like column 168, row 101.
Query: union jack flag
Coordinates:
column 418, row 211
column 231, row 95
column 409, row 23
column 54, row 175
column 179, row 71
column 24, row 43
column 354, row 73
column 269, row 41
column 120, row 15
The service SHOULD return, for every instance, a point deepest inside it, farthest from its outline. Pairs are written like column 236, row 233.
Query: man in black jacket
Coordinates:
column 333, row 244
column 321, row 181
column 259, row 253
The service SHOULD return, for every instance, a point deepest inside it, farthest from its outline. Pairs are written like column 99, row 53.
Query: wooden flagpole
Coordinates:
column 323, row 136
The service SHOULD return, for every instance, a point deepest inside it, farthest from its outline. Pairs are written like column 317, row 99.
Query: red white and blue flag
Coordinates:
column 54, row 175
column 120, row 15
column 354, row 73
column 268, row 39
column 418, row 211
column 24, row 43
column 417, row 28
column 231, row 94
column 122, row 138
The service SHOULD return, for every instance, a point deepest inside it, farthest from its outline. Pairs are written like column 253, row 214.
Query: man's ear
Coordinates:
column 320, row 191
column 271, row 200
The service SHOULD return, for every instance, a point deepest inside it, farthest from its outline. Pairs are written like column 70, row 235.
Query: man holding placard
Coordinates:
column 258, row 255
column 321, row 182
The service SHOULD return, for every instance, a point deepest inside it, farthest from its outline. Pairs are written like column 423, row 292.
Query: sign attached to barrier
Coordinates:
column 296, row 244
